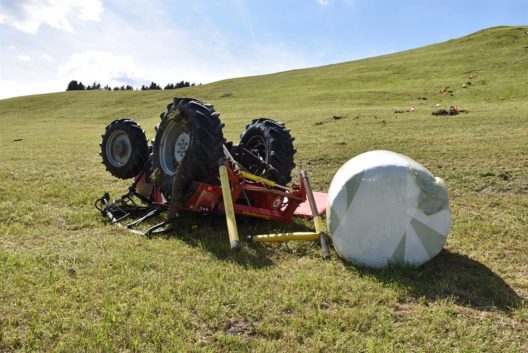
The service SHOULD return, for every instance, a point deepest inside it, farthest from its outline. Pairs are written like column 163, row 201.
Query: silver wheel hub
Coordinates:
column 174, row 143
column 182, row 143
column 118, row 148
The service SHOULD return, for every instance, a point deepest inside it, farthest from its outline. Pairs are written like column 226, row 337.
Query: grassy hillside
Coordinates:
column 69, row 282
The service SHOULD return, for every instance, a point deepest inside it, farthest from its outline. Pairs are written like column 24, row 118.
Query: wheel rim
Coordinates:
column 118, row 148
column 257, row 146
column 175, row 142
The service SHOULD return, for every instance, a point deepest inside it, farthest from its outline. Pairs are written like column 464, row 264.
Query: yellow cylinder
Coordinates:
column 276, row 237
column 232, row 229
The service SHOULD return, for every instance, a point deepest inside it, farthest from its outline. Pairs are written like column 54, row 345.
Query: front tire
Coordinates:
column 124, row 148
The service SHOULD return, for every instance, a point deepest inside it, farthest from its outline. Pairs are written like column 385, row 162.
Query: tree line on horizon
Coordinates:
column 75, row 85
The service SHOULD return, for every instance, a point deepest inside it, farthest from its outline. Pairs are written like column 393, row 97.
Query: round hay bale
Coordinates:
column 385, row 208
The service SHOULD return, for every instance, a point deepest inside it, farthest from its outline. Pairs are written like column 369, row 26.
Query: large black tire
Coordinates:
column 124, row 148
column 272, row 143
column 189, row 126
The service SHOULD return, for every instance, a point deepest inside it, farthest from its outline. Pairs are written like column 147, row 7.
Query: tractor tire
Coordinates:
column 272, row 143
column 124, row 148
column 189, row 126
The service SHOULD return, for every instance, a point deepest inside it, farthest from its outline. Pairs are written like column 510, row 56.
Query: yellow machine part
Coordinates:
column 276, row 237
column 228, row 206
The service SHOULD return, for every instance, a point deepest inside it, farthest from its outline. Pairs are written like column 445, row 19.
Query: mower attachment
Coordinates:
column 240, row 193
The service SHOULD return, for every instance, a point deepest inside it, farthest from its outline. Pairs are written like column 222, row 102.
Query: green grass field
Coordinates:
column 71, row 283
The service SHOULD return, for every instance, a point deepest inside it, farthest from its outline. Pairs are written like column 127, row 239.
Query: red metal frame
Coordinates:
column 250, row 198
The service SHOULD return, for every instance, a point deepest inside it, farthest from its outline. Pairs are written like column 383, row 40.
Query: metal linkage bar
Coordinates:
column 153, row 212
column 124, row 208
column 318, row 224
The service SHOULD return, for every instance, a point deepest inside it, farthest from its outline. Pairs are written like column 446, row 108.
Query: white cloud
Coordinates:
column 24, row 58
column 28, row 15
column 103, row 67
column 322, row 2
column 11, row 47
column 47, row 57
column 89, row 10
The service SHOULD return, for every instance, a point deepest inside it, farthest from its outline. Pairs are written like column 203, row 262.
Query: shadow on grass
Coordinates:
column 210, row 233
column 452, row 275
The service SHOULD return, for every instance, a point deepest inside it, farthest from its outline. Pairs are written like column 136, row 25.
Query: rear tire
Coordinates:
column 124, row 148
column 272, row 143
column 189, row 126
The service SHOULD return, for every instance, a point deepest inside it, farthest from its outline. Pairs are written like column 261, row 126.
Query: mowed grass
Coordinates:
column 70, row 283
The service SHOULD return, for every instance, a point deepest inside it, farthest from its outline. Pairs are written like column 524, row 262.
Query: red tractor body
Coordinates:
column 250, row 198
column 190, row 167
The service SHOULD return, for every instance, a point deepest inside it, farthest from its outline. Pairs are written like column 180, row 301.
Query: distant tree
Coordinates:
column 75, row 86
column 154, row 85
column 72, row 86
column 180, row 84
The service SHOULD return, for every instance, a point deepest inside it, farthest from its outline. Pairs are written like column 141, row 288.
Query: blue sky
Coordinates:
column 46, row 43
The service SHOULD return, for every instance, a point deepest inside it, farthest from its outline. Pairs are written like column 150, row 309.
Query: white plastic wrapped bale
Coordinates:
column 384, row 207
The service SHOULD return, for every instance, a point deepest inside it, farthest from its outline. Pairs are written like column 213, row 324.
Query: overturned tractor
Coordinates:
column 190, row 167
